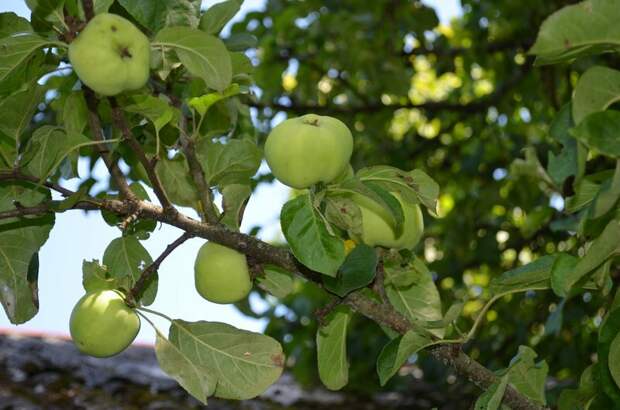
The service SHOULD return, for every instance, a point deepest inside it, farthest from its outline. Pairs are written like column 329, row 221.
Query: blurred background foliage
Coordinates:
column 462, row 102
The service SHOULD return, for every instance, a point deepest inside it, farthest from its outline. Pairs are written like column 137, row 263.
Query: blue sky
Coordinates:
column 77, row 236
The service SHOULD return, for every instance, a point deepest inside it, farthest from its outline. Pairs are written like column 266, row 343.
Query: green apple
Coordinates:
column 111, row 55
column 310, row 149
column 102, row 325
column 221, row 274
column 377, row 229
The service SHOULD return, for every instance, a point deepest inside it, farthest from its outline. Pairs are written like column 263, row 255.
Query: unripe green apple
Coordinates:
column 102, row 325
column 111, row 55
column 221, row 274
column 310, row 149
column 377, row 229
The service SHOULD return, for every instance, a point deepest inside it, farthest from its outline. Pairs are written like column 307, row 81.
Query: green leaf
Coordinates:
column 492, row 397
column 343, row 212
column 277, row 281
column 614, row 359
column 240, row 42
column 156, row 110
column 414, row 186
column 15, row 51
column 46, row 149
column 241, row 364
column 20, row 241
column 607, row 196
column 585, row 192
column 75, row 113
column 357, row 271
column 597, row 89
column 580, row 398
column 599, row 131
column 203, row 55
column 189, row 374
column 601, row 249
column 11, row 23
column 376, row 192
column 204, row 102
column 234, row 162
column 309, row 238
column 216, row 16
column 175, row 177
column 96, row 277
column 608, row 369
column 571, row 160
column 527, row 376
column 530, row 167
column 420, row 301
column 155, row 15
column 17, row 109
column 331, row 346
column 589, row 27
column 234, row 199
column 125, row 257
column 396, row 352
column 533, row 276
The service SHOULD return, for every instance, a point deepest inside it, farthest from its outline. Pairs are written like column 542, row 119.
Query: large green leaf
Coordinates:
column 600, row 131
column 96, row 277
column 419, row 301
column 331, row 346
column 580, row 398
column 601, row 249
column 11, row 23
column 203, row 55
column 17, row 109
column 396, row 352
column 178, row 365
column 125, row 257
column 216, row 16
column 233, row 162
column 492, row 397
column 357, row 271
column 277, row 281
column 75, row 113
column 571, row 160
column 16, row 51
column 234, row 199
column 589, row 27
column 527, row 376
column 47, row 147
column 175, row 177
column 156, row 110
column 533, row 276
column 20, row 241
column 597, row 89
column 241, row 364
column 155, row 15
column 309, row 238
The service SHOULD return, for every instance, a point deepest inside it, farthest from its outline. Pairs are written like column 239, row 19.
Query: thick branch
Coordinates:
column 147, row 274
column 158, row 188
column 383, row 314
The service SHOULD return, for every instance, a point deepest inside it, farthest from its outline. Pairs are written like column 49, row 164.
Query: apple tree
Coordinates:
column 153, row 85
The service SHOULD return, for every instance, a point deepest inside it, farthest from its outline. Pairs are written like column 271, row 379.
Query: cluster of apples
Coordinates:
column 111, row 56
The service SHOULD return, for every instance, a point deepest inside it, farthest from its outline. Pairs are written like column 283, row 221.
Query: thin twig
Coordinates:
column 148, row 274
column 120, row 122
column 195, row 169
column 95, row 127
column 17, row 175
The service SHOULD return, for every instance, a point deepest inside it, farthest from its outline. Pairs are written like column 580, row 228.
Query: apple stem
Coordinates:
column 313, row 122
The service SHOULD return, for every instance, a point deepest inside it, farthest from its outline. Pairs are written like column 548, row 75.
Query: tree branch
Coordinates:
column 383, row 314
column 95, row 127
column 475, row 106
column 119, row 121
column 147, row 274
column 17, row 175
column 195, row 169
